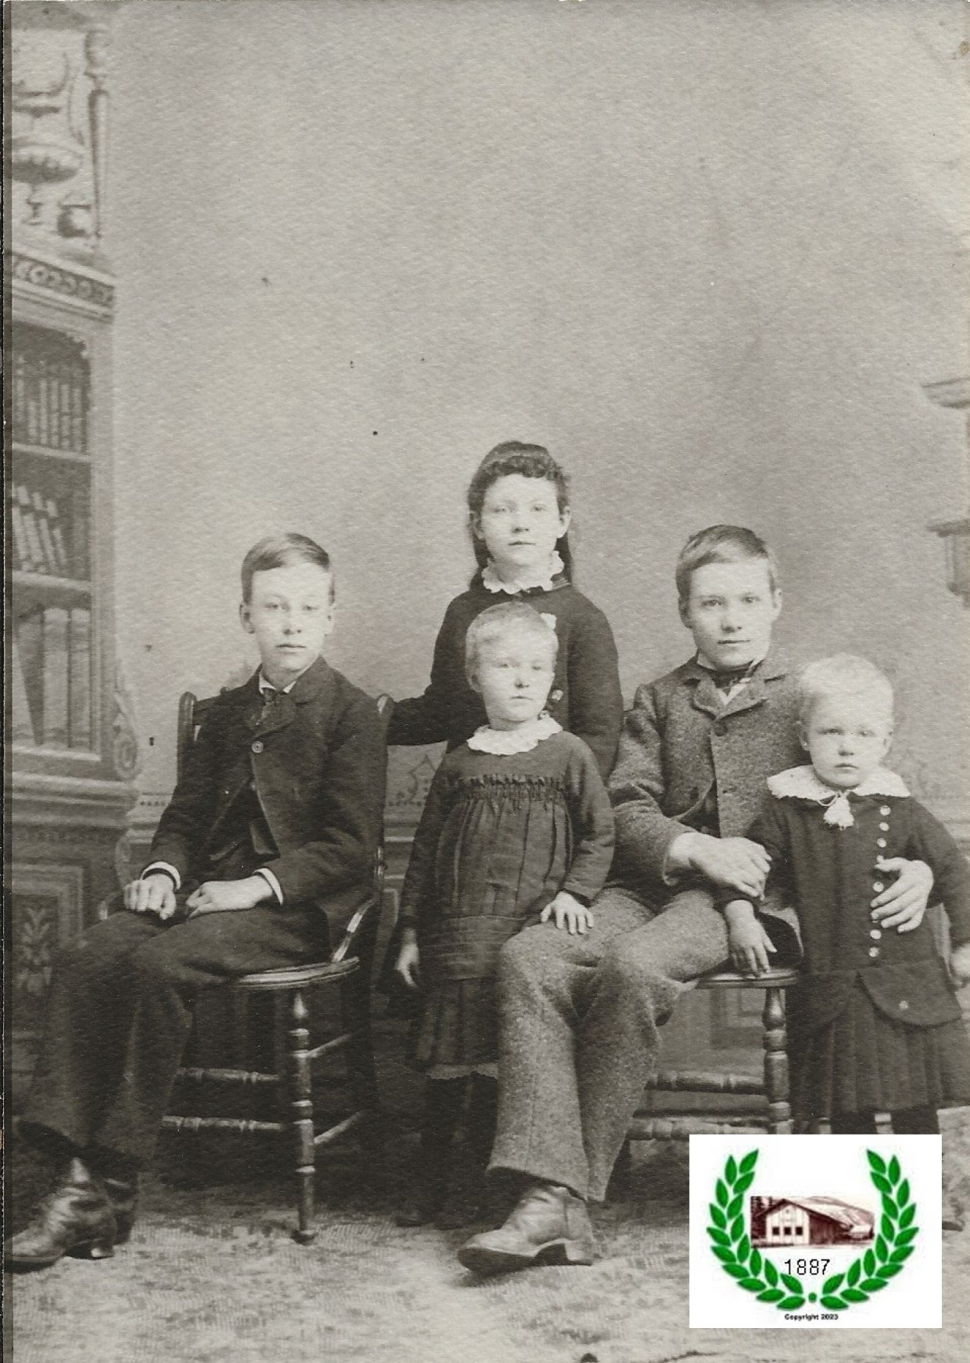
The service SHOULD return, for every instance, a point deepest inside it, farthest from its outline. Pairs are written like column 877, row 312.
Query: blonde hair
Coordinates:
column 498, row 620
column 842, row 674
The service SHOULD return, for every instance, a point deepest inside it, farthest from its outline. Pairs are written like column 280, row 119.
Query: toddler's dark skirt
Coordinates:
column 867, row 1062
column 458, row 1025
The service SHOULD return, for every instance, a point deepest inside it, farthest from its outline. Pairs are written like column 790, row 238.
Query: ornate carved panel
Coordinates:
column 43, row 907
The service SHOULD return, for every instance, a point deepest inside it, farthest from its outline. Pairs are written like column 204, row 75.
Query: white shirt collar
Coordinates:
column 708, row 666
column 265, row 685
column 801, row 783
column 493, row 583
column 506, row 742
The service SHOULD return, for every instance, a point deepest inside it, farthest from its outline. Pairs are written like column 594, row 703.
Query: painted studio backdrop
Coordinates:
column 713, row 256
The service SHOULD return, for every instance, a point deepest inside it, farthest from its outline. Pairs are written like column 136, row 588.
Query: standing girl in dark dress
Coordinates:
column 880, row 1024
column 517, row 829
column 519, row 517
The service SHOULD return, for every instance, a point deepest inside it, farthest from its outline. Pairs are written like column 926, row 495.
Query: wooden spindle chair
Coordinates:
column 347, row 969
column 770, row 1109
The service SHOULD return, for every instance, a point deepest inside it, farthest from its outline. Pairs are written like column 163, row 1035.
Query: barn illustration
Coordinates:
column 785, row 1222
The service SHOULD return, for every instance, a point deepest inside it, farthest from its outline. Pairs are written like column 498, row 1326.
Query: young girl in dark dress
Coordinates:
column 879, row 1029
column 519, row 515
column 517, row 829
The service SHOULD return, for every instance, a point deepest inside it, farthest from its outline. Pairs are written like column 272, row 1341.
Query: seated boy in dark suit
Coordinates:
column 268, row 842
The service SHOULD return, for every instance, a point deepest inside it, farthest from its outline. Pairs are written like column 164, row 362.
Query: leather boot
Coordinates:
column 123, row 1197
column 547, row 1222
column 76, row 1219
column 442, row 1108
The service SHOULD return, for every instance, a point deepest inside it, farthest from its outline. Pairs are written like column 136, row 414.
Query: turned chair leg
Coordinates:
column 776, row 1062
column 299, row 1083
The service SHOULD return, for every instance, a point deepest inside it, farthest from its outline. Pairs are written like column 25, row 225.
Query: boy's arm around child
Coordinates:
column 687, row 779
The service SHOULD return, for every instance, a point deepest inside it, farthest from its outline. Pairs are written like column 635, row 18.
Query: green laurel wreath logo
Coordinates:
column 869, row 1273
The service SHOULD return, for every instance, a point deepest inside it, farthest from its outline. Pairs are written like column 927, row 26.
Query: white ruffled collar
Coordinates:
column 493, row 583
column 507, row 742
column 801, row 783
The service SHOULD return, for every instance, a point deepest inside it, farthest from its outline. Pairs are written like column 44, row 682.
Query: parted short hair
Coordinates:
column 495, row 621
column 721, row 544
column 277, row 551
column 840, row 675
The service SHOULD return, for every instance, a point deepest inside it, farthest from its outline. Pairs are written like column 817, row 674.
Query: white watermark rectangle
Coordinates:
column 789, row 1232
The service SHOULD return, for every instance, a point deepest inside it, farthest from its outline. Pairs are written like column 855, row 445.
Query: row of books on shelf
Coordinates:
column 50, row 402
column 37, row 532
column 51, row 679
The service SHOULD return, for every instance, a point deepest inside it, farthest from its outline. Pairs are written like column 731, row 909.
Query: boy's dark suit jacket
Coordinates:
column 317, row 767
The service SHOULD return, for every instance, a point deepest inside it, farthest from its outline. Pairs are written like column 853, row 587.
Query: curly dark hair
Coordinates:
column 531, row 461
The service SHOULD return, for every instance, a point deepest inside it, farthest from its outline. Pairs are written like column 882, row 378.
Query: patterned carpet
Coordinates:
column 212, row 1276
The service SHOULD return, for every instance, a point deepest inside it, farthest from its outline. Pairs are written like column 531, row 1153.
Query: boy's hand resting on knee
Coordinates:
column 225, row 896
column 736, row 863
column 408, row 963
column 152, row 894
column 749, row 943
column 902, row 904
column 960, row 964
column 568, row 913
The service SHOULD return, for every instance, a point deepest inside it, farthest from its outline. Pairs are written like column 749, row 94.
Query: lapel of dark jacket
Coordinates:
column 314, row 684
column 245, row 705
column 706, row 696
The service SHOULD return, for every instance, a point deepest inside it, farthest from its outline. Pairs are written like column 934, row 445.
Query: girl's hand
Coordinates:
column 902, row 904
column 960, row 964
column 226, row 896
column 748, row 942
column 568, row 913
column 408, row 963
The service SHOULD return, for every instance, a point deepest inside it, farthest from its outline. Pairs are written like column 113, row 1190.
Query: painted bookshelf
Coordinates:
column 71, row 751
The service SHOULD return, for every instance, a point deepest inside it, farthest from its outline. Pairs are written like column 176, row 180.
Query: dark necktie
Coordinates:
column 724, row 681
column 271, row 699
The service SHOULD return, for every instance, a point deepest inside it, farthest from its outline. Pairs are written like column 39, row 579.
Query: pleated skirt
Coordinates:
column 866, row 1062
column 458, row 1025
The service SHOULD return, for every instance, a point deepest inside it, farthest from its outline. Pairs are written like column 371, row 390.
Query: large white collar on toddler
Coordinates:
column 506, row 742
column 493, row 583
column 801, row 783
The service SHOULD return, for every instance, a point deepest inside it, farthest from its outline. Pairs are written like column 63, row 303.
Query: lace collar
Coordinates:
column 506, row 742
column 801, row 783
column 493, row 583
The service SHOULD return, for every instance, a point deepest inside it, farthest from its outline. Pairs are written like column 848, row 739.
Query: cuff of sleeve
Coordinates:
column 272, row 882
column 725, row 897
column 676, row 863
column 162, row 868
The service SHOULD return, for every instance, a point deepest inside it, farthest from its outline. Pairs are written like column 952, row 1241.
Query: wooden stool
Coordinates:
column 773, row 1111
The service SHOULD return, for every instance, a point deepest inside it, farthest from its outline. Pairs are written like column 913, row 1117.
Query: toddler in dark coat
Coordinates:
column 879, row 1028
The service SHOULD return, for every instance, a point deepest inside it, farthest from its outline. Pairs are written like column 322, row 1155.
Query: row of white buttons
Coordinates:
column 878, row 885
